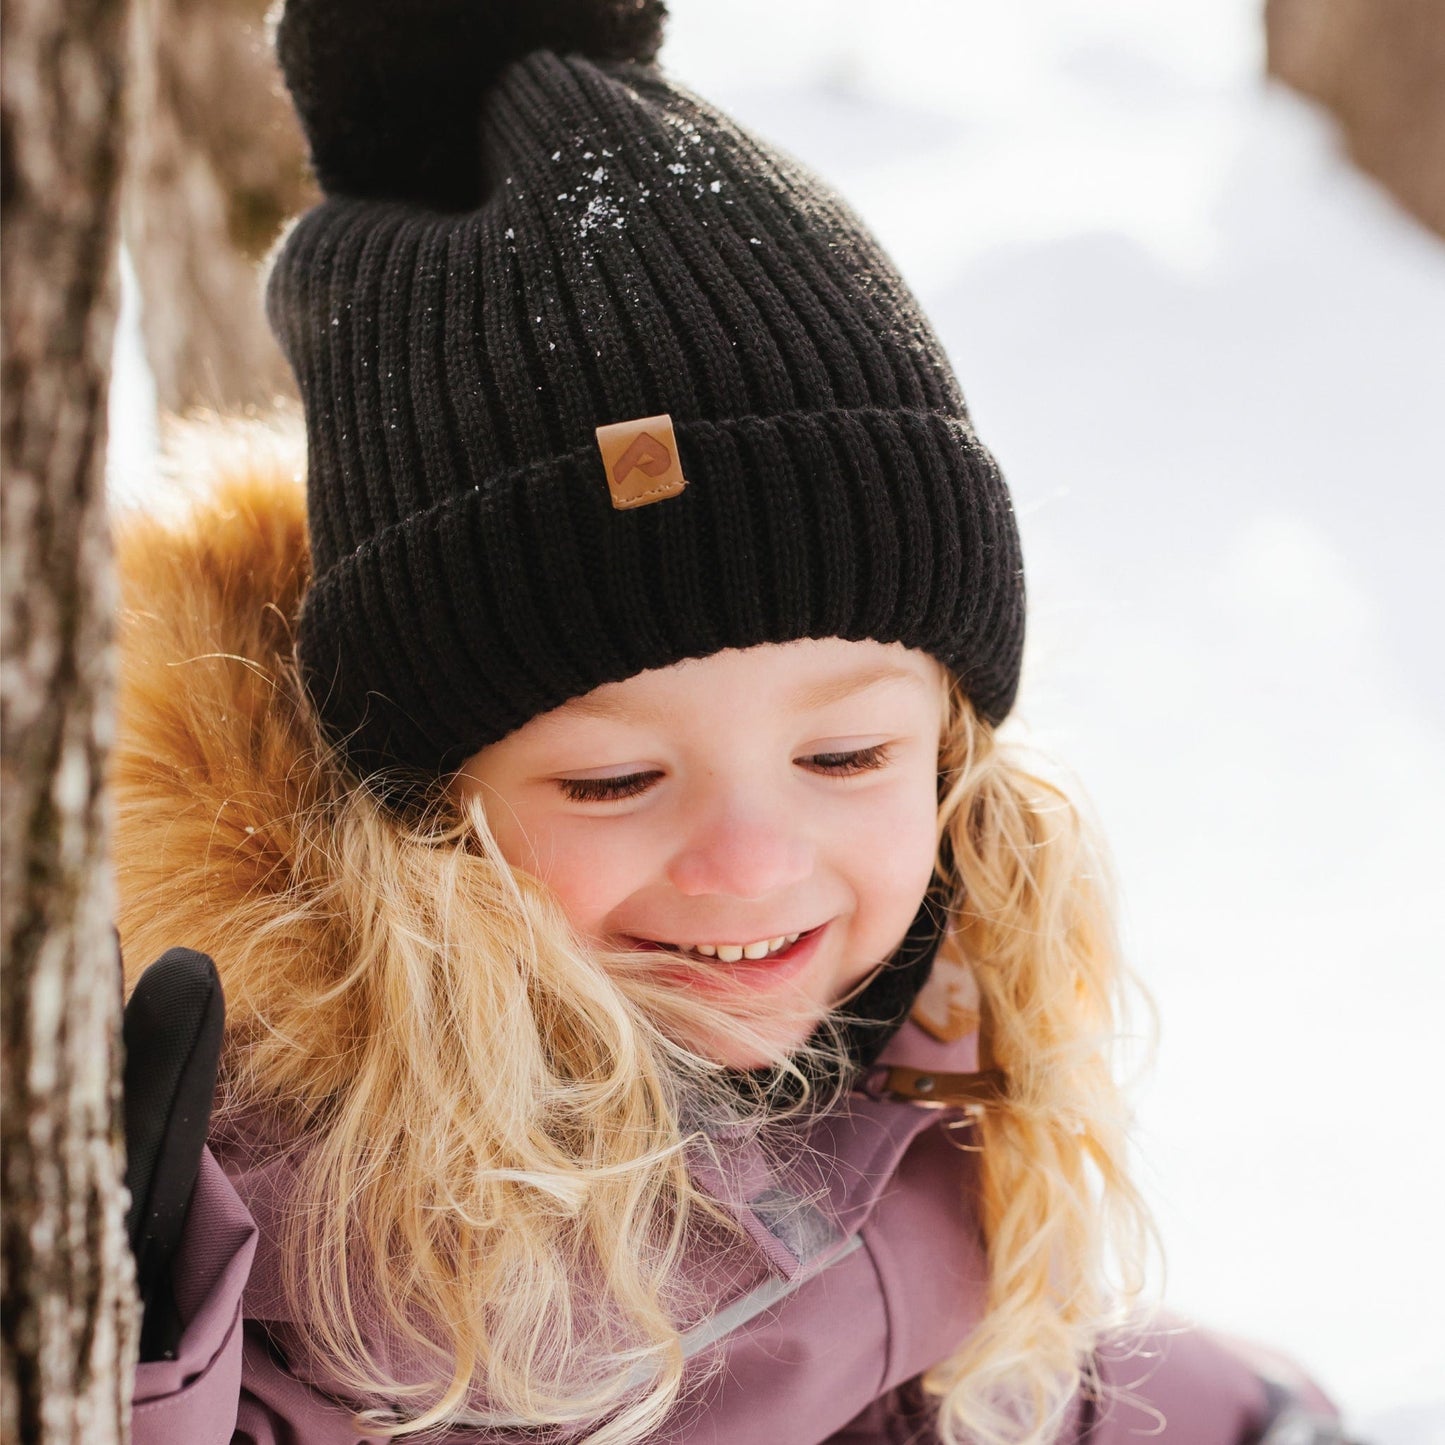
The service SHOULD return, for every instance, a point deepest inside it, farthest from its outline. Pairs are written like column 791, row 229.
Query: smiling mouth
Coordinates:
column 765, row 950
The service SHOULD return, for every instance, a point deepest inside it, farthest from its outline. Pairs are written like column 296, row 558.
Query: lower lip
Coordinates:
column 760, row 972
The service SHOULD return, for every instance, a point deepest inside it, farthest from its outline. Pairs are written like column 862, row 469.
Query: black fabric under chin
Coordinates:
column 871, row 1019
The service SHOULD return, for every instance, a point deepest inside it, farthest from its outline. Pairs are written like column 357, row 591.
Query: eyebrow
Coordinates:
column 806, row 699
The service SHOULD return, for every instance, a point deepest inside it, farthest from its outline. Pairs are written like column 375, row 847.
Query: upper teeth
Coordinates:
column 732, row 952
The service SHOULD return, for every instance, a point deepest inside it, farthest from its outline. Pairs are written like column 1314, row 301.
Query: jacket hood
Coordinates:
column 210, row 744
column 214, row 755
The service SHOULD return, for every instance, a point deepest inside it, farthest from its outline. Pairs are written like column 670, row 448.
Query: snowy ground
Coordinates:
column 1205, row 352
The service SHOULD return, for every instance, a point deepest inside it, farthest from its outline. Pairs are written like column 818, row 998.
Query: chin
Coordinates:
column 734, row 1053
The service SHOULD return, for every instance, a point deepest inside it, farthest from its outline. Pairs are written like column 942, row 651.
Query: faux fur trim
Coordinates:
column 214, row 751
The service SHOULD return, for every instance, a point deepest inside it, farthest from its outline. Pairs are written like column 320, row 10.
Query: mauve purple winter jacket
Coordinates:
column 839, row 1310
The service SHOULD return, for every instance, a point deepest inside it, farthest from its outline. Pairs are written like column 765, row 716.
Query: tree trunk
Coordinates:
column 69, row 1315
column 1379, row 65
column 220, row 165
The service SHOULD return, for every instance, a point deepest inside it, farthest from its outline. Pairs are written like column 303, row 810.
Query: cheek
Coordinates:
column 581, row 864
column 892, row 853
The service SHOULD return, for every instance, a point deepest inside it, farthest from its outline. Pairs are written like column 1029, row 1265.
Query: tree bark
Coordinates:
column 1379, row 65
column 219, row 166
column 69, row 1316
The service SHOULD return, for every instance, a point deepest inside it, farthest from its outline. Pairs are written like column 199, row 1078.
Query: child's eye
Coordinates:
column 612, row 790
column 864, row 760
column 606, row 790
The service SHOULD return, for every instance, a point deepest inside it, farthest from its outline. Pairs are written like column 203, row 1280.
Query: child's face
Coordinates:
column 732, row 800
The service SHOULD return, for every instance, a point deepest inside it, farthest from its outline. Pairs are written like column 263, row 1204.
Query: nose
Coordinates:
column 748, row 850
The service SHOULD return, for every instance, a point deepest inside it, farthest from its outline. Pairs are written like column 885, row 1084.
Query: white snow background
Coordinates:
column 1210, row 357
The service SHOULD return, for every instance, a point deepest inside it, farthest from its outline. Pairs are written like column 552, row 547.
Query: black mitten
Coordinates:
column 172, row 1034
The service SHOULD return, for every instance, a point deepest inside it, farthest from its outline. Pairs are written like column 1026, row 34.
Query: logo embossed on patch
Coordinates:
column 641, row 461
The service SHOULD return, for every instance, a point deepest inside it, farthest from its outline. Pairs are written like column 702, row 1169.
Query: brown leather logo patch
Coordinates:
column 641, row 460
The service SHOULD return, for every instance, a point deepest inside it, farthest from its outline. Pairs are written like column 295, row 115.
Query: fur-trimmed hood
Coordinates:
column 214, row 752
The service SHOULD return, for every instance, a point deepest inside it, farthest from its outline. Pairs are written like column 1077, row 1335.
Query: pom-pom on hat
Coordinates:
column 596, row 381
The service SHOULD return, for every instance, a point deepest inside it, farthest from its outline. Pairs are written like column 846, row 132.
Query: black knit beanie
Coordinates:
column 596, row 381
column 516, row 249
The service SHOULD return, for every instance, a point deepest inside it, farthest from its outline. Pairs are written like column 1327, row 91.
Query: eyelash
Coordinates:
column 612, row 790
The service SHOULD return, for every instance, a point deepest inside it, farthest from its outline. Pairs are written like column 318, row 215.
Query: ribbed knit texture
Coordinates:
column 635, row 253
